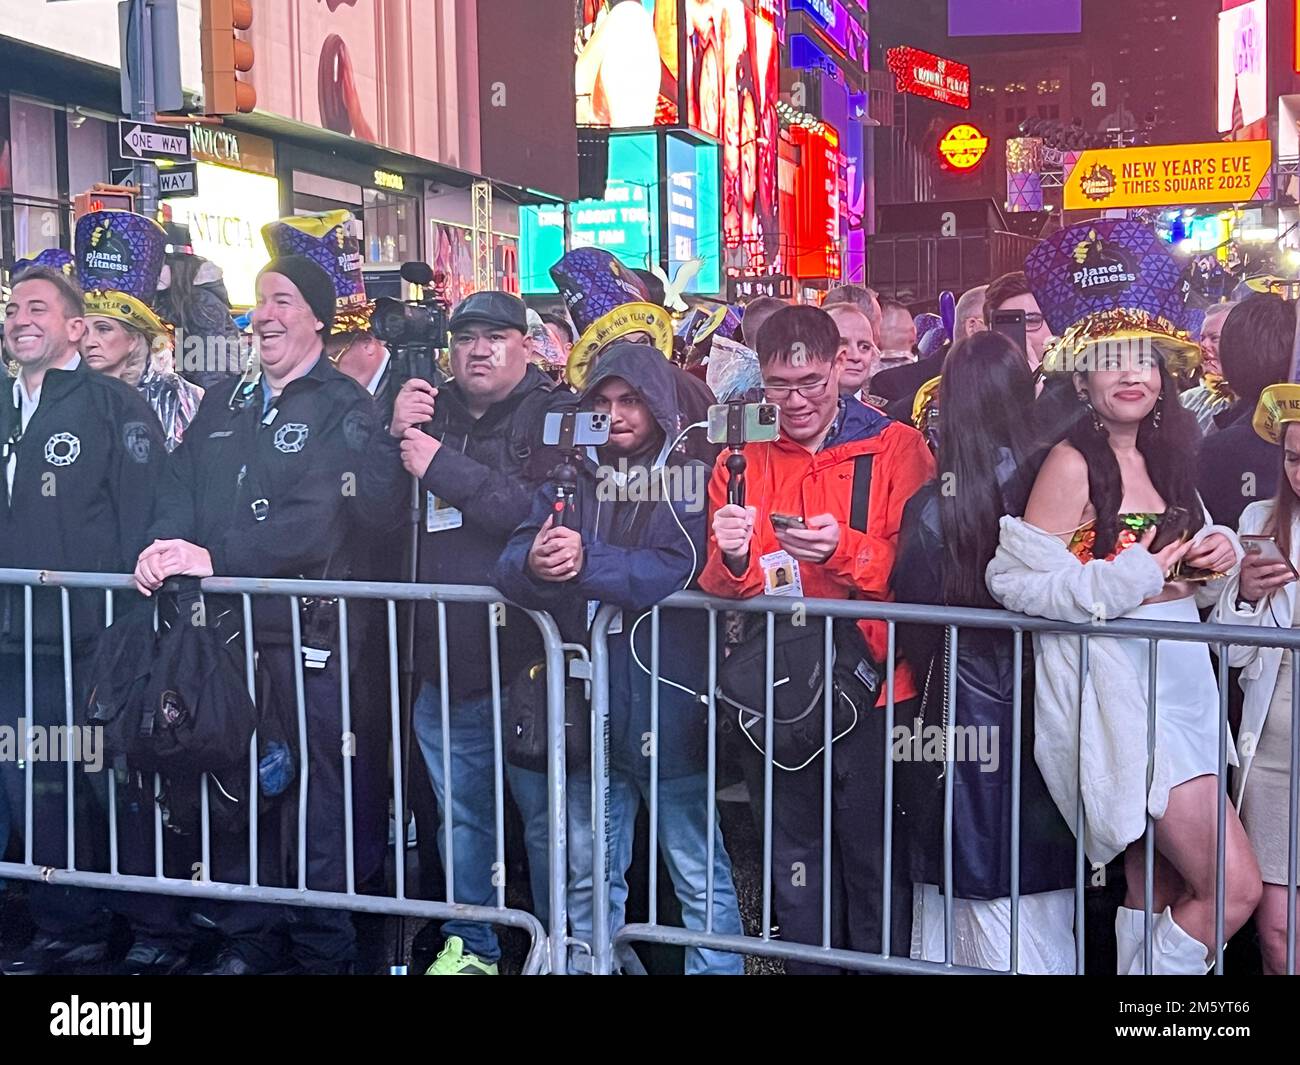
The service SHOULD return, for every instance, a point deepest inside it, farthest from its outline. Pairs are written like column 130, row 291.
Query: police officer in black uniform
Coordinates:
column 270, row 482
column 82, row 455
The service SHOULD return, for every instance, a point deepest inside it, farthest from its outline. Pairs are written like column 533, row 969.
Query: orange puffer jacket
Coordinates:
column 785, row 478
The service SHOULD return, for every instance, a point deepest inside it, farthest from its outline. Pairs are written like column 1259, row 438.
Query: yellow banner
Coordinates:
column 1168, row 175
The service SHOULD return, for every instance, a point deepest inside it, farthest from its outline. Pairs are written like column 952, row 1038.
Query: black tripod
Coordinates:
column 426, row 368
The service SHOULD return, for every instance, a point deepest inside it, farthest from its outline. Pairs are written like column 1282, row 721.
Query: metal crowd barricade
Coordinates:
column 548, row 946
column 1217, row 636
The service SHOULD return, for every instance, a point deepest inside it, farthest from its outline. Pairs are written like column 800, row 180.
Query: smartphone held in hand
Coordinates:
column 1267, row 550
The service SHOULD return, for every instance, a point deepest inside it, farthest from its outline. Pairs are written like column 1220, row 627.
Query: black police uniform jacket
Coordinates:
column 277, row 493
column 88, row 466
column 489, row 468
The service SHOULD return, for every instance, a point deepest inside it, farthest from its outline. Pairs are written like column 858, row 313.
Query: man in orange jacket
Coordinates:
column 809, row 473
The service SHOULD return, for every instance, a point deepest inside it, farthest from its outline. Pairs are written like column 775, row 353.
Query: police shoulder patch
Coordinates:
column 357, row 427
column 136, row 440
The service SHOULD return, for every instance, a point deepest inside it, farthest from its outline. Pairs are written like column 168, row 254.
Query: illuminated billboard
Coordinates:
column 933, row 77
column 626, row 70
column 1170, row 175
column 225, row 221
column 693, row 231
column 732, row 71
column 628, row 221
column 1243, row 65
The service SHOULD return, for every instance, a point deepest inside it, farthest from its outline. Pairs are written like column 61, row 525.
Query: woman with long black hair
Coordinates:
column 1086, row 552
column 986, row 461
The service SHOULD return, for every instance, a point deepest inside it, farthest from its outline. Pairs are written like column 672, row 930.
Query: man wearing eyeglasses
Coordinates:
column 1011, row 292
column 809, row 473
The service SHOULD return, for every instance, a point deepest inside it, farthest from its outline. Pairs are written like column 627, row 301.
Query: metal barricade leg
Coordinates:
column 601, row 952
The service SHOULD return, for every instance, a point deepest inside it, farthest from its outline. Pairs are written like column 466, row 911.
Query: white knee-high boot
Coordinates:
column 1173, row 950
column 1128, row 941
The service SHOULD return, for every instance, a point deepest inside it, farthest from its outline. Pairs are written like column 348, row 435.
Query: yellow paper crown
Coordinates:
column 1175, row 346
column 122, row 306
column 622, row 321
column 1278, row 406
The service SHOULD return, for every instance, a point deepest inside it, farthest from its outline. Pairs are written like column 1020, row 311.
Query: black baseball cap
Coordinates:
column 491, row 308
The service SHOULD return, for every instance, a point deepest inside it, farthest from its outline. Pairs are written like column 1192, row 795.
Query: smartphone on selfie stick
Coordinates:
column 736, row 424
column 569, row 432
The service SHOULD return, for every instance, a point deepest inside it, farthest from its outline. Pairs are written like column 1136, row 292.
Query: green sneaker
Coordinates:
column 453, row 961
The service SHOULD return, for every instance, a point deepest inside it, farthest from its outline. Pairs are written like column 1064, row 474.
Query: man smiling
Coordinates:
column 273, row 482
column 847, row 471
column 81, row 457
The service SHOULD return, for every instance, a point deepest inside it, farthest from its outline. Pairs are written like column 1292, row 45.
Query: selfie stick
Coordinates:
column 564, row 507
column 736, row 477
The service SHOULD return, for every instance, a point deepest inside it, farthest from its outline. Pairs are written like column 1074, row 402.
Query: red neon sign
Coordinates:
column 931, row 76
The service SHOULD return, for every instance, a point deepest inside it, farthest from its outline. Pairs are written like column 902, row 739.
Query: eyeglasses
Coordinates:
column 777, row 393
column 1034, row 320
column 337, row 357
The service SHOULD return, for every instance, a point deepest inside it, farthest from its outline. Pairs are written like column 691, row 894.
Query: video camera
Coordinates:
column 414, row 330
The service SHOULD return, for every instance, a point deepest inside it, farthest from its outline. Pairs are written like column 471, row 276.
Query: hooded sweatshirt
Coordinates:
column 642, row 521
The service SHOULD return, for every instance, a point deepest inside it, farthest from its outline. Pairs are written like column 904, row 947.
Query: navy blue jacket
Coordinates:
column 1228, row 457
column 635, row 554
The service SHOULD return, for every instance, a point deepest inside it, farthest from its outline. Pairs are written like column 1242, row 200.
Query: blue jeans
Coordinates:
column 473, row 832
column 683, row 843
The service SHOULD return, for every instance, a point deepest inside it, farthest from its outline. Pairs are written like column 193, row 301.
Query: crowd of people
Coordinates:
column 1113, row 455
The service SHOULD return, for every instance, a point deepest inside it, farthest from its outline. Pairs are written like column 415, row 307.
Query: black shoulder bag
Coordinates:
column 798, row 674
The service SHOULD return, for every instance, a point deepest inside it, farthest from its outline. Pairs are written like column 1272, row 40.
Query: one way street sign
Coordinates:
column 144, row 140
column 180, row 180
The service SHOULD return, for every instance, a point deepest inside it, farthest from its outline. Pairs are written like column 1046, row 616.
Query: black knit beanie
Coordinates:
column 311, row 280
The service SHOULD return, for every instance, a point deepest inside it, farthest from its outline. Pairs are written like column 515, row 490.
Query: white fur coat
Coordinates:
column 1033, row 573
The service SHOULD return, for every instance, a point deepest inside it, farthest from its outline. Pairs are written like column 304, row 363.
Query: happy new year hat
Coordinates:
column 119, row 256
column 1278, row 406
column 606, row 302
column 332, row 240
column 1111, row 279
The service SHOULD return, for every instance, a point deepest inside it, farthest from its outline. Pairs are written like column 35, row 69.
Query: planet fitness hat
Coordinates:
column 119, row 256
column 1111, row 279
column 332, row 240
column 52, row 258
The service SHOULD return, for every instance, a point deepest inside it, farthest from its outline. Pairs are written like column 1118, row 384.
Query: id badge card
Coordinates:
column 441, row 515
column 781, row 574
column 615, row 626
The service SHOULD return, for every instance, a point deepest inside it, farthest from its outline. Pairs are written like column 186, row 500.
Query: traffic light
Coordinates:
column 225, row 57
column 103, row 198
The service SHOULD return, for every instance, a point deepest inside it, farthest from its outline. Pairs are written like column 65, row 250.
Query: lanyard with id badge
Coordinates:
column 439, row 515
